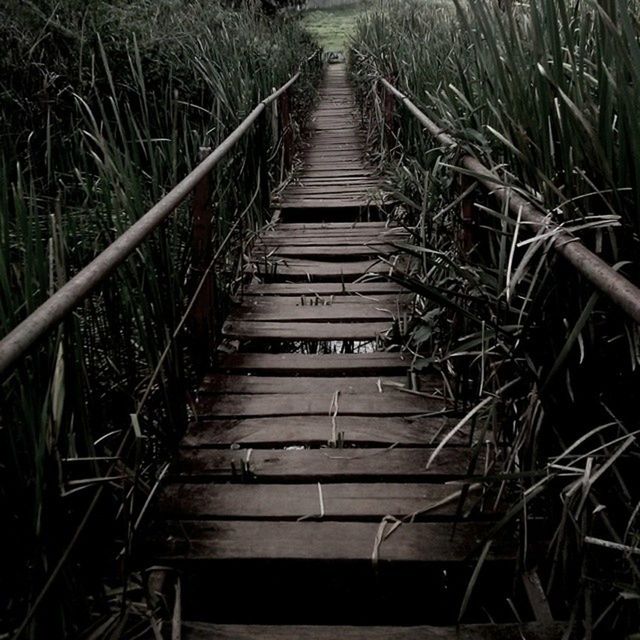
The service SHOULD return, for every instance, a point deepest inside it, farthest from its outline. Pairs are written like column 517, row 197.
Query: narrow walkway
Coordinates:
column 303, row 495
column 334, row 175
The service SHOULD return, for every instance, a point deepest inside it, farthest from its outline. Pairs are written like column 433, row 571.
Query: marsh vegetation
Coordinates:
column 546, row 94
column 104, row 108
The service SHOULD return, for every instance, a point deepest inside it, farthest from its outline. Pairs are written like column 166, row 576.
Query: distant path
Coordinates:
column 335, row 174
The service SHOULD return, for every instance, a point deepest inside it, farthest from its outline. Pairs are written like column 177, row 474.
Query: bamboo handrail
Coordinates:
column 57, row 307
column 602, row 275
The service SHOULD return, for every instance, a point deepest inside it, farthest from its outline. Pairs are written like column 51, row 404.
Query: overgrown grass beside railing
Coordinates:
column 544, row 93
column 104, row 108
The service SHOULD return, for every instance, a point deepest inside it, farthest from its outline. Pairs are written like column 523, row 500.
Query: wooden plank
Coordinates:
column 274, row 311
column 320, row 201
column 322, row 226
column 248, row 330
column 424, row 543
column 359, row 171
column 347, row 289
column 288, row 304
column 323, row 251
column 298, row 268
column 526, row 631
column 318, row 300
column 193, row 501
column 330, row 191
column 220, row 383
column 316, row 431
column 345, row 232
column 379, row 235
column 326, row 465
column 325, row 203
column 297, row 239
column 376, row 363
column 389, row 403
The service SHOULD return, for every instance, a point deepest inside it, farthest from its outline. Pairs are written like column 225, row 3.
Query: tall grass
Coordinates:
column 545, row 93
column 104, row 107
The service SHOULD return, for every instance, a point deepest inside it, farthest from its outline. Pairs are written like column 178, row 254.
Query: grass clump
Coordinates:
column 543, row 93
column 104, row 106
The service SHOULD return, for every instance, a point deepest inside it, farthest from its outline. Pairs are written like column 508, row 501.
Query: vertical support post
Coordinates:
column 467, row 214
column 261, row 143
column 466, row 242
column 389, row 111
column 203, row 322
column 287, row 130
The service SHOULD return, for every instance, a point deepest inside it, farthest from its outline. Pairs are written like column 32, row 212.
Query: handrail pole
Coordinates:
column 603, row 276
column 51, row 312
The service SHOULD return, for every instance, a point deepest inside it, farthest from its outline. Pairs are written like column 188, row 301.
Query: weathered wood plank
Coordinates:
column 376, row 363
column 323, row 252
column 219, row 383
column 526, row 631
column 298, row 268
column 193, row 501
column 268, row 311
column 325, row 465
column 425, row 543
column 315, row 431
column 310, row 226
column 316, row 300
column 297, row 331
column 369, row 288
column 389, row 403
column 358, row 235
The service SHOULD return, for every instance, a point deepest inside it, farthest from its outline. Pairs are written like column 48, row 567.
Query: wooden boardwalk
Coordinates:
column 302, row 495
column 334, row 175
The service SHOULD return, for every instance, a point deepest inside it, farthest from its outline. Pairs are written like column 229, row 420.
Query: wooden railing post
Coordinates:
column 203, row 324
column 467, row 214
column 287, row 130
column 389, row 111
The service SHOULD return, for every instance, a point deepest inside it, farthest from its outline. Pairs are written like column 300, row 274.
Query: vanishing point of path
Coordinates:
column 302, row 496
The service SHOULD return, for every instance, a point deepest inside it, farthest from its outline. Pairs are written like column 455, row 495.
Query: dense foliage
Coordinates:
column 104, row 106
column 547, row 94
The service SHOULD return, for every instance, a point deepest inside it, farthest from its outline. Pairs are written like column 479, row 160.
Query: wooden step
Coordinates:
column 224, row 384
column 291, row 502
column 416, row 542
column 327, row 465
column 278, row 269
column 347, row 311
column 324, row 289
column 389, row 403
column 334, row 364
column 526, row 631
column 300, row 331
column 315, row 431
